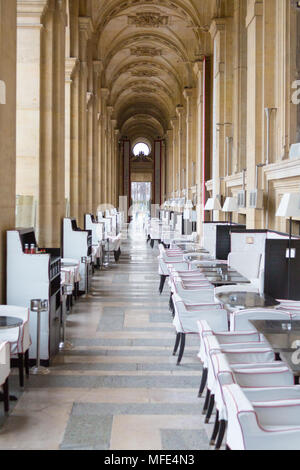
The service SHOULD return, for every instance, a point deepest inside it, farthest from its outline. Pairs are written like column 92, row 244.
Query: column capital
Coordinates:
column 117, row 132
column 105, row 93
column 71, row 64
column 98, row 66
column 110, row 110
column 30, row 13
column 217, row 25
column 174, row 121
column 188, row 93
column 198, row 67
column 86, row 26
column 114, row 123
column 255, row 8
column 89, row 97
column 179, row 110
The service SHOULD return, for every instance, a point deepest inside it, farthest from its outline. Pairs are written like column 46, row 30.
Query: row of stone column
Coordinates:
column 66, row 131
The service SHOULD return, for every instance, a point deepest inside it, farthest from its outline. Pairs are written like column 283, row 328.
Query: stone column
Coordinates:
column 115, row 136
column 255, row 113
column 52, row 127
column 169, row 164
column 85, row 31
column 109, row 147
column 240, row 87
column 200, row 182
column 191, row 132
column 104, row 98
column 217, row 31
column 8, row 42
column 97, row 67
column 181, row 147
column 70, row 69
column 30, row 17
column 174, row 124
column 90, row 98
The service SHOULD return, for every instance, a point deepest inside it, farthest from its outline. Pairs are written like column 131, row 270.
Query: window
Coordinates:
column 141, row 148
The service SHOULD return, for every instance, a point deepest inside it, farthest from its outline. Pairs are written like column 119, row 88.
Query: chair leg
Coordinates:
column 177, row 342
column 203, row 382
column 221, row 434
column 182, row 346
column 21, row 370
column 206, row 403
column 215, row 431
column 210, row 409
column 27, row 363
column 162, row 283
column 6, row 396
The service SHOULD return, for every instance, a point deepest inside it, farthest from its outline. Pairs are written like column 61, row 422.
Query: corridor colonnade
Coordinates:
column 211, row 86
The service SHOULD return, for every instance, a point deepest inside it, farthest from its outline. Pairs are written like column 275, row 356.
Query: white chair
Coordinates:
column 259, row 380
column 240, row 320
column 186, row 317
column 18, row 338
column 4, row 372
column 261, row 426
column 242, row 356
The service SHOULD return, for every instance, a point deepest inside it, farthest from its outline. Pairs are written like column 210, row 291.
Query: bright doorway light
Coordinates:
column 141, row 147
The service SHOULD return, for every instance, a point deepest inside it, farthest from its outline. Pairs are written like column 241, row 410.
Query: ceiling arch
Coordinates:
column 148, row 49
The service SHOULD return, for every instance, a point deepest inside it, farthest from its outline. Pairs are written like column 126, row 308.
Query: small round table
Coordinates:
column 243, row 300
column 10, row 322
column 7, row 323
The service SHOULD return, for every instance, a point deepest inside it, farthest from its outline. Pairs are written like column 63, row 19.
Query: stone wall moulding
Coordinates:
column 282, row 170
column 30, row 13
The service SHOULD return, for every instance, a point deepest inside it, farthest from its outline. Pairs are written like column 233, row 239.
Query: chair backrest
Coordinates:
column 188, row 320
column 240, row 320
column 246, row 263
column 4, row 361
column 236, row 288
column 242, row 420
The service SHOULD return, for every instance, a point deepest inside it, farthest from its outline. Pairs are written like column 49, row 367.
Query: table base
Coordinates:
column 40, row 370
column 11, row 397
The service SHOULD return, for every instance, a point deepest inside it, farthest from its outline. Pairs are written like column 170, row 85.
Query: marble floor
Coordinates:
column 119, row 388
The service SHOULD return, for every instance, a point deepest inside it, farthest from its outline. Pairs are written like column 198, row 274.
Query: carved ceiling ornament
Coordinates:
column 145, row 51
column 148, row 19
column 184, row 11
column 142, row 89
column 144, row 73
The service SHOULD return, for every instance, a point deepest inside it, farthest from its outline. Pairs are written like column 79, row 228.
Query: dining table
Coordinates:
column 284, row 338
column 6, row 323
column 242, row 300
column 225, row 278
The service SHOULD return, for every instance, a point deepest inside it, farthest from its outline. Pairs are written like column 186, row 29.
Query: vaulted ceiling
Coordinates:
column 148, row 49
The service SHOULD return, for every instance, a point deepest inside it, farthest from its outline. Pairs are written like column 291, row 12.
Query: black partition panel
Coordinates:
column 276, row 269
column 223, row 242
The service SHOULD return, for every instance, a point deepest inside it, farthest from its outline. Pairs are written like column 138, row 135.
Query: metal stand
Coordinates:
column 39, row 306
column 65, row 345
column 86, row 261
column 107, row 261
